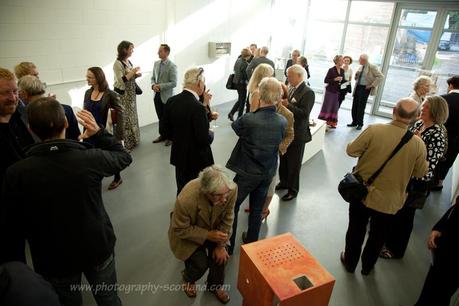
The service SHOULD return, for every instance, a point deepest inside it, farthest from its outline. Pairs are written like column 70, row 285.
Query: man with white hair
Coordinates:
column 200, row 227
column 30, row 88
column 367, row 79
column 262, row 59
column 300, row 102
column 185, row 123
column 386, row 194
column 254, row 158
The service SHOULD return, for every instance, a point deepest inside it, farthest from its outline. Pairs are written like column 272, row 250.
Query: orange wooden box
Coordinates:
column 279, row 271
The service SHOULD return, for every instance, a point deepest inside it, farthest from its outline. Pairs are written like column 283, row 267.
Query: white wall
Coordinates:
column 65, row 37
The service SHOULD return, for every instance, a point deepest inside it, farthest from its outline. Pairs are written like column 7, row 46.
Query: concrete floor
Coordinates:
column 140, row 208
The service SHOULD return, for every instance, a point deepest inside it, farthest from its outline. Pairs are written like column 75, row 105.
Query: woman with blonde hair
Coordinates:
column 262, row 71
column 421, row 87
column 430, row 127
column 282, row 110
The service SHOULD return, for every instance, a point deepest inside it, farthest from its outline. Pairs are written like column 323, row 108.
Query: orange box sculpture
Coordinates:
column 279, row 271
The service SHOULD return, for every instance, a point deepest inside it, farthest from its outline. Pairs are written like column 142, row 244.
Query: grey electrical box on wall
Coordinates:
column 218, row 49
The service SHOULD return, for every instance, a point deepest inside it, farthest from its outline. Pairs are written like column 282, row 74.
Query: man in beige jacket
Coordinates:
column 387, row 193
column 367, row 79
column 200, row 227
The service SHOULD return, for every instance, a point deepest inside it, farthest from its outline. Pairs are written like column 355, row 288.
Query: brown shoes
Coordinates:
column 189, row 289
column 221, row 295
column 115, row 184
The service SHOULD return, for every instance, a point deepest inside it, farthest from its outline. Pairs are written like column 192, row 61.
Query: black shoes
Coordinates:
column 342, row 258
column 288, row 197
column 352, row 125
column 279, row 187
column 168, row 143
column 230, row 117
column 159, row 139
column 358, row 128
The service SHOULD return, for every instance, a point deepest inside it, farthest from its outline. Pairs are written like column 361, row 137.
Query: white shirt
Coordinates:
column 193, row 92
column 454, row 91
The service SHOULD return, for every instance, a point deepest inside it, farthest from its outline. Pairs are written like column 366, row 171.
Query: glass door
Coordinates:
column 408, row 57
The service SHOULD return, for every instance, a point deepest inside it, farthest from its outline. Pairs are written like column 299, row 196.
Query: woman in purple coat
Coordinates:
column 330, row 106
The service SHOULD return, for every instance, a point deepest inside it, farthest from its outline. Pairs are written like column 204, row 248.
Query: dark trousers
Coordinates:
column 441, row 282
column 290, row 167
column 359, row 103
column 399, row 231
column 239, row 105
column 198, row 263
column 450, row 156
column 102, row 280
column 159, row 107
column 257, row 190
column 342, row 96
column 359, row 215
column 183, row 176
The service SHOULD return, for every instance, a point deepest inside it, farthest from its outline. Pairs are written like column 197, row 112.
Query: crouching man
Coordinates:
column 200, row 228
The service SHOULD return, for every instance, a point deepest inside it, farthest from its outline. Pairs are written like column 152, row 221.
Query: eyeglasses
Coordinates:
column 201, row 71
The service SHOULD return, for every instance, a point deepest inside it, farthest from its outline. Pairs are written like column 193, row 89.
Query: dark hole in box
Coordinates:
column 303, row 282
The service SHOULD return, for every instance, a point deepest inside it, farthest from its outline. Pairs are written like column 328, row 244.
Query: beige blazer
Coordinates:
column 289, row 131
column 192, row 219
column 373, row 146
column 373, row 76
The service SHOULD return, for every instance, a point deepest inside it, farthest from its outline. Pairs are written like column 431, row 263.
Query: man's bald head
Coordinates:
column 406, row 110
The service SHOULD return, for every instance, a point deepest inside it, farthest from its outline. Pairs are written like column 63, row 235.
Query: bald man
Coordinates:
column 386, row 194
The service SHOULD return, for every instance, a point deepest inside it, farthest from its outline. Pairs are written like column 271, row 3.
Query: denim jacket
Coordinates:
column 256, row 152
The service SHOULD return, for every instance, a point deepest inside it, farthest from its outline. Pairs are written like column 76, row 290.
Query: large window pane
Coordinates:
column 417, row 18
column 446, row 62
column 366, row 39
column 406, row 62
column 330, row 10
column 371, row 12
column 290, row 14
column 321, row 47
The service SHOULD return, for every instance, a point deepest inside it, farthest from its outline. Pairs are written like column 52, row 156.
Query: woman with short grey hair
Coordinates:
column 333, row 80
column 421, row 87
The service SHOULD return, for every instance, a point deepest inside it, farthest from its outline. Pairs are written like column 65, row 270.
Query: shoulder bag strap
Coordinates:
column 402, row 142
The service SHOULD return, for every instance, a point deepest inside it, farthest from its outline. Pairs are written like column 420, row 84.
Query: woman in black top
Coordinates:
column 98, row 100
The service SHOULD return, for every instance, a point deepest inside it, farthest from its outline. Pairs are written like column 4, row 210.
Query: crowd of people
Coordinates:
column 63, row 218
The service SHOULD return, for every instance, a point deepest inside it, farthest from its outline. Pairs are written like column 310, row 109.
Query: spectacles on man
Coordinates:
column 201, row 71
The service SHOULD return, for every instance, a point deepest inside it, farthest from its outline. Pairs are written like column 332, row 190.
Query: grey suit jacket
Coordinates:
column 167, row 79
column 257, row 61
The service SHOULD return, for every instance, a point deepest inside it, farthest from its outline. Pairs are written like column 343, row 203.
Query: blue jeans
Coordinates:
column 102, row 281
column 257, row 188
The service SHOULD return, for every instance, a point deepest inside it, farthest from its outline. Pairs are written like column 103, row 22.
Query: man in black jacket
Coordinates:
column 185, row 122
column 14, row 136
column 53, row 199
column 452, row 126
column 441, row 281
column 300, row 102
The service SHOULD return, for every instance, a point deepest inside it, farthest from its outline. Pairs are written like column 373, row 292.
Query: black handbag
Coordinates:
column 138, row 90
column 418, row 190
column 352, row 188
column 229, row 83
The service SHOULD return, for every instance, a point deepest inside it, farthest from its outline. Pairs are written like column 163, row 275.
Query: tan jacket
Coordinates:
column 373, row 77
column 191, row 219
column 289, row 131
column 373, row 146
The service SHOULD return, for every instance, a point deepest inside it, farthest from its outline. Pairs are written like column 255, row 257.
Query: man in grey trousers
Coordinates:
column 163, row 82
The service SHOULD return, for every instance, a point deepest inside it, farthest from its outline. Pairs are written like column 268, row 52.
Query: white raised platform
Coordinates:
column 317, row 142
